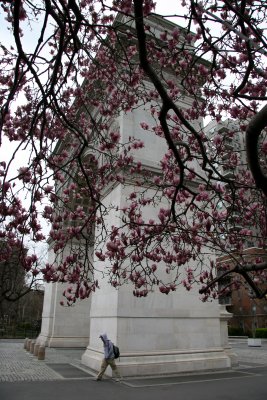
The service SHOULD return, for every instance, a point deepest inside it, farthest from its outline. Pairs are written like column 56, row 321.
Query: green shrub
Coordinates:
column 24, row 325
column 261, row 333
column 235, row 331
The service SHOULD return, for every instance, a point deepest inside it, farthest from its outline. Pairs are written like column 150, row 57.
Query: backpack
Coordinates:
column 116, row 351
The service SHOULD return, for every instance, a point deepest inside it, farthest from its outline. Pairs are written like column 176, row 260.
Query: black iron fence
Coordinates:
column 20, row 330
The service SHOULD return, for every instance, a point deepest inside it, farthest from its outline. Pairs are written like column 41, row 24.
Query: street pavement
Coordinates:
column 62, row 376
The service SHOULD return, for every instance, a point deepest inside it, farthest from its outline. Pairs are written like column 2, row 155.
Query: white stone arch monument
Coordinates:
column 158, row 334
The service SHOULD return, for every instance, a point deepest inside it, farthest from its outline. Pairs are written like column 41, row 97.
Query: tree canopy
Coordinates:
column 69, row 69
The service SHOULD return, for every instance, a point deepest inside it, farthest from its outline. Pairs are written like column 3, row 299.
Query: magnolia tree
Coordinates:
column 69, row 69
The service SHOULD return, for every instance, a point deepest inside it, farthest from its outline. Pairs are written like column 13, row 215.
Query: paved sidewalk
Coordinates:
column 61, row 376
column 17, row 364
column 249, row 355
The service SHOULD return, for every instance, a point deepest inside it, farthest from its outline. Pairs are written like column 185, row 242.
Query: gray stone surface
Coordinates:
column 17, row 364
column 22, row 377
column 249, row 355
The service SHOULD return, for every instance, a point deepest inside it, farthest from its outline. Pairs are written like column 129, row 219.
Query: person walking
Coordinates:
column 109, row 359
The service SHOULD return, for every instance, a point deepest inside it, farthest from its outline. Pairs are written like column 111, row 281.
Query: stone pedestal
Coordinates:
column 252, row 342
column 157, row 335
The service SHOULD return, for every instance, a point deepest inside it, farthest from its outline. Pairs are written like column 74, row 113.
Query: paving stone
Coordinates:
column 16, row 364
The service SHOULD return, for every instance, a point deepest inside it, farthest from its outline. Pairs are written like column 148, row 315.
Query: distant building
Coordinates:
column 248, row 313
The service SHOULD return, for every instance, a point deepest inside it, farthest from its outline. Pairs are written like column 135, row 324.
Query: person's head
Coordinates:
column 103, row 337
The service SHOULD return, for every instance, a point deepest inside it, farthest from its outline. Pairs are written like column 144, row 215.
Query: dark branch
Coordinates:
column 254, row 129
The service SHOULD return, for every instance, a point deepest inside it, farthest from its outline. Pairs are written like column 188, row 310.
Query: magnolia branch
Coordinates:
column 244, row 271
column 167, row 103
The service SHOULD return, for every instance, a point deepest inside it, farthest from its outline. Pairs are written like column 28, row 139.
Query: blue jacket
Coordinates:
column 108, row 346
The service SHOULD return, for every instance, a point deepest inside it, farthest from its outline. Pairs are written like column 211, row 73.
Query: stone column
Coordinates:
column 224, row 318
column 63, row 326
